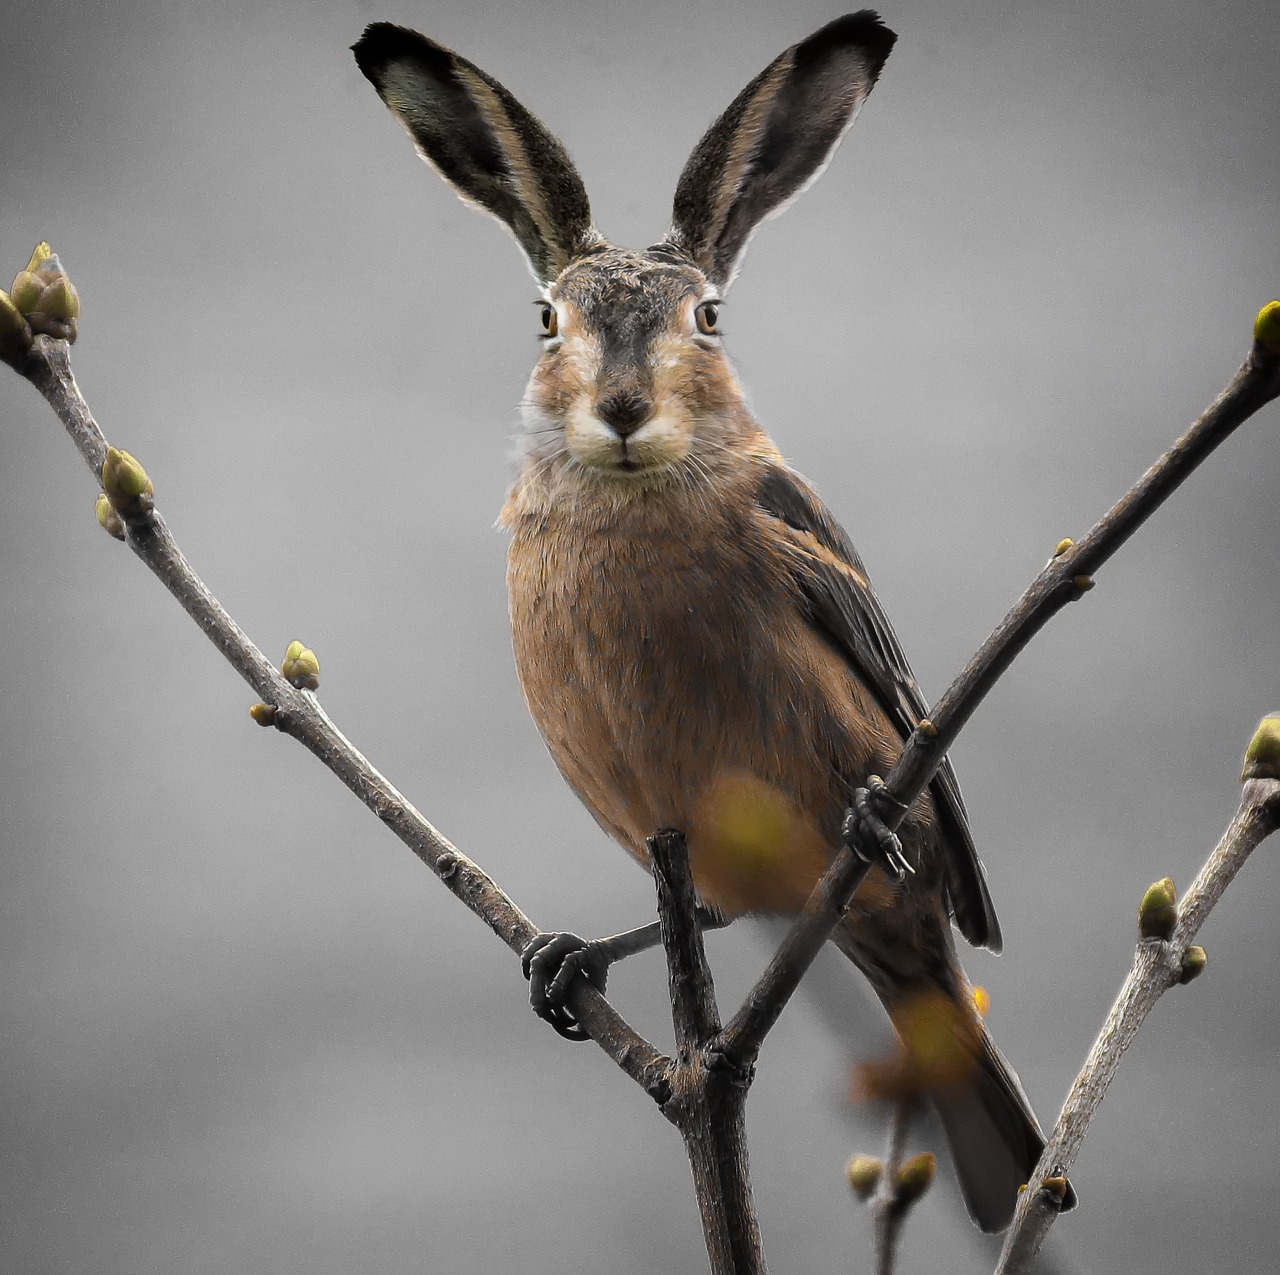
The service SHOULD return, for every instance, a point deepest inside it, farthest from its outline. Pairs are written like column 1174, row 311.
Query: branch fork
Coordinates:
column 703, row 1090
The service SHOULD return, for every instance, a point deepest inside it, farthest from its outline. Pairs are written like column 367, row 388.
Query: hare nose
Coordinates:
column 623, row 413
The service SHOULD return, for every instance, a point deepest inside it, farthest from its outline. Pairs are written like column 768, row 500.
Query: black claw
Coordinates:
column 534, row 946
column 882, row 797
column 565, row 1024
column 551, row 962
column 864, row 823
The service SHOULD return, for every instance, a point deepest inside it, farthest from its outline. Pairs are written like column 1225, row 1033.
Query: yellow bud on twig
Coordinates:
column 915, row 1178
column 1194, row 959
column 1056, row 1189
column 863, row 1173
column 126, row 484
column 49, row 268
column 26, row 290
column 59, row 299
column 15, row 335
column 1158, row 911
column 1266, row 327
column 39, row 255
column 108, row 519
column 1262, row 757
column 300, row 667
column 263, row 714
column 43, row 293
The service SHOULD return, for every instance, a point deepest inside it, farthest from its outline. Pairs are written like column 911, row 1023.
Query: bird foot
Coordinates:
column 864, row 826
column 551, row 962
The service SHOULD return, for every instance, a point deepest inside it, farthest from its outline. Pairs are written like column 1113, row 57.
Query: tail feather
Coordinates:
column 947, row 1055
column 994, row 1136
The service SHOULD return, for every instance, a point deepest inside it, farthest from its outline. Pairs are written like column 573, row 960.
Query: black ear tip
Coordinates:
column 384, row 43
column 376, row 46
column 863, row 30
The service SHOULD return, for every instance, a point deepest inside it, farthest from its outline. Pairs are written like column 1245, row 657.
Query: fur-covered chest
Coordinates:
column 640, row 607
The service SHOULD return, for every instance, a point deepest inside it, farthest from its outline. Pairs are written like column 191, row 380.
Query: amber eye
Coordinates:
column 550, row 326
column 708, row 315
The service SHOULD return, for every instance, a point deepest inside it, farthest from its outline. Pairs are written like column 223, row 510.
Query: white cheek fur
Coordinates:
column 663, row 440
column 589, row 440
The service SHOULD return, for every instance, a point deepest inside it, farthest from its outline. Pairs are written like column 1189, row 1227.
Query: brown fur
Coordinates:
column 665, row 635
column 662, row 653
column 696, row 637
column 660, row 634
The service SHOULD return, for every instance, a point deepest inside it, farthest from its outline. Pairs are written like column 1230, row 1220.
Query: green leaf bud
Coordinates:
column 108, row 519
column 15, row 335
column 1266, row 327
column 48, row 268
column 915, row 1178
column 126, row 484
column 39, row 255
column 1158, row 911
column 300, row 667
column 57, row 306
column 863, row 1173
column 1262, row 757
column 26, row 290
column 1194, row 959
column 59, row 300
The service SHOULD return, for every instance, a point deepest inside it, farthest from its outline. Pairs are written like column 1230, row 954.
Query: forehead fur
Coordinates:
column 611, row 282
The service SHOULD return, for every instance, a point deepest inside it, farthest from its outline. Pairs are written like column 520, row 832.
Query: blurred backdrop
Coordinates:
column 243, row 1029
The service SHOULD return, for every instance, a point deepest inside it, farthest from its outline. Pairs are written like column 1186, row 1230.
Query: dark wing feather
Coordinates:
column 844, row 605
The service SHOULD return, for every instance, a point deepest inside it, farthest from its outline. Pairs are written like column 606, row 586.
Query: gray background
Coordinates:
column 243, row 1029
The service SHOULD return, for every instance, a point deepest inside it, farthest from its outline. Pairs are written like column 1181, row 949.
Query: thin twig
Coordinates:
column 1069, row 573
column 743, row 1037
column 709, row 1094
column 693, row 996
column 887, row 1210
column 47, row 365
column 1067, row 577
column 1157, row 966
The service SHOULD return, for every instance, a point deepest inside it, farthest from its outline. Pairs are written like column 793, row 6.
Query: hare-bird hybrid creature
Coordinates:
column 696, row 636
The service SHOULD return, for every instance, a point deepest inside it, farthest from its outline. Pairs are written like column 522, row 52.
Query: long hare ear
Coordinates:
column 774, row 140
column 482, row 142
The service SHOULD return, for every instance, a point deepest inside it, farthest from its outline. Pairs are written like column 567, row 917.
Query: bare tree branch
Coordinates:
column 693, row 996
column 1066, row 577
column 703, row 1092
column 1157, row 965
column 743, row 1038
column 890, row 1187
column 47, row 366
column 1069, row 573
column 887, row 1208
column 708, row 1103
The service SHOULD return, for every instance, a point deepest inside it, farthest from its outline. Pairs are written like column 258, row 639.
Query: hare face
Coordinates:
column 633, row 384
column 633, row 392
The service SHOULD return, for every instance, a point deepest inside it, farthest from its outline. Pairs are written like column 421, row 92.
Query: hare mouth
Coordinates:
column 626, row 461
column 655, row 444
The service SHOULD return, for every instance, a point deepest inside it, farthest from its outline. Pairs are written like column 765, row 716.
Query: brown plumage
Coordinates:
column 696, row 637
